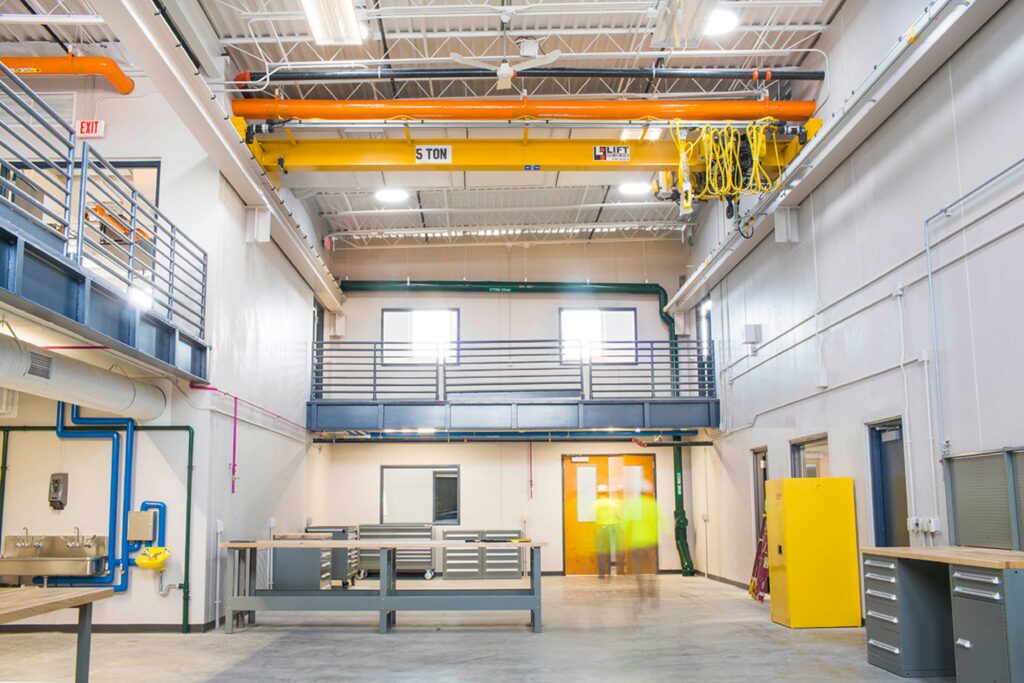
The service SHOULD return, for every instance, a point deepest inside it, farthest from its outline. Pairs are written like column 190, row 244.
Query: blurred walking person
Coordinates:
column 608, row 518
column 640, row 516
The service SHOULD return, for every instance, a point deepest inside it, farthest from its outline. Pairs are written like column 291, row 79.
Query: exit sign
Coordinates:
column 92, row 128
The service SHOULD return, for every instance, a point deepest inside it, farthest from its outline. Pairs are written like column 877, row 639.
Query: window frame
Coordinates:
column 796, row 452
column 458, row 335
column 600, row 309
column 433, row 493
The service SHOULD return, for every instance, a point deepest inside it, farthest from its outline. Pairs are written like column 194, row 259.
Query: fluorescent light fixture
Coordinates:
column 635, row 189
column 140, row 299
column 721, row 21
column 653, row 134
column 649, row 134
column 333, row 22
column 391, row 195
column 631, row 133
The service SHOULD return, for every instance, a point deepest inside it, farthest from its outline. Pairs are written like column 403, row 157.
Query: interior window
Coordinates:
column 810, row 458
column 419, row 495
column 598, row 335
column 420, row 336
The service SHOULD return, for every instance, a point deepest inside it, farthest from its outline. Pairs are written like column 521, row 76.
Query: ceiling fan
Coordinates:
column 505, row 71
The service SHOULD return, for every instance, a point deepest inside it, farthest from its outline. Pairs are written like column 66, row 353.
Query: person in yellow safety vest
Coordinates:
column 640, row 516
column 608, row 517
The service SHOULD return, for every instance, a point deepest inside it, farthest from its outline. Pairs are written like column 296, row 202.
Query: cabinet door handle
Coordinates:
column 883, row 617
column 884, row 646
column 960, row 590
column 880, row 594
column 964, row 643
column 880, row 577
column 880, row 565
column 977, row 578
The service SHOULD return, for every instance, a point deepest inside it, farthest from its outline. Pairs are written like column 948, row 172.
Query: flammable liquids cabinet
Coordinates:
column 812, row 552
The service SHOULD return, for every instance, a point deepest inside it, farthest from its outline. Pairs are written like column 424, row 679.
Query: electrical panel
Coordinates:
column 141, row 525
column 58, row 490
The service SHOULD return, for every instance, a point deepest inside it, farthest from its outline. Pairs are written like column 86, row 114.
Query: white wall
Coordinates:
column 495, row 492
column 259, row 326
column 828, row 308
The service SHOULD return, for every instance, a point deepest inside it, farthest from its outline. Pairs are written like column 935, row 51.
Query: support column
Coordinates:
column 84, row 643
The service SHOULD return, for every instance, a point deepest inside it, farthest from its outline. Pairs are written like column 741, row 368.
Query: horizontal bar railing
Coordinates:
column 109, row 228
column 125, row 239
column 533, row 368
column 37, row 150
column 650, row 369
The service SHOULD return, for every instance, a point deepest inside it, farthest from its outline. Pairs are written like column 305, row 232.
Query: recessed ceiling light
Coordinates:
column 721, row 21
column 391, row 195
column 635, row 189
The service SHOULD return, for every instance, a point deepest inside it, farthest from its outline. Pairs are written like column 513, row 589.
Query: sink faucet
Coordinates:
column 77, row 542
column 23, row 543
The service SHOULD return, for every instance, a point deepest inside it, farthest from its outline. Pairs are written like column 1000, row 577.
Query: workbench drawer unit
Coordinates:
column 407, row 560
column 904, row 630
column 344, row 561
column 301, row 569
column 482, row 563
column 988, row 623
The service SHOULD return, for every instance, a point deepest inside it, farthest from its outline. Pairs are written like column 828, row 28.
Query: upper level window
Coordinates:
column 420, row 335
column 810, row 458
column 598, row 335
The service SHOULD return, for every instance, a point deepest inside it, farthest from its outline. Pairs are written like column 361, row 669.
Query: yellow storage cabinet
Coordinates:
column 812, row 552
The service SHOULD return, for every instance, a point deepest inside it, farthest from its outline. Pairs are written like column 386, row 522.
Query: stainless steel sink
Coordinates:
column 77, row 555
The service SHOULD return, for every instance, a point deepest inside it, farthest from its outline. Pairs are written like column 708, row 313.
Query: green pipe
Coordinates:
column 499, row 287
column 185, row 593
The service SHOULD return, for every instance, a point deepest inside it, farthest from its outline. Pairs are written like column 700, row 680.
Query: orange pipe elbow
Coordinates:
column 72, row 66
column 503, row 110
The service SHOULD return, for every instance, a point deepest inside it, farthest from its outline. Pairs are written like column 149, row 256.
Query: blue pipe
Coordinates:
column 124, row 561
column 115, row 471
column 161, row 522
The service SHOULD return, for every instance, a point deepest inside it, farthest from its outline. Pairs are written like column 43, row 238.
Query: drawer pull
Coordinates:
column 880, row 577
column 960, row 590
column 883, row 617
column 880, row 565
column 884, row 646
column 880, row 594
column 964, row 643
column 977, row 578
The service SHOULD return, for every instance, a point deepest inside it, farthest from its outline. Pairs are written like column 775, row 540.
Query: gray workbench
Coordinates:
column 245, row 599
column 944, row 611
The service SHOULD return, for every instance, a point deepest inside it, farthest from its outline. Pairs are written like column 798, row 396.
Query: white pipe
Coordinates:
column 52, row 19
column 908, row 459
column 34, row 370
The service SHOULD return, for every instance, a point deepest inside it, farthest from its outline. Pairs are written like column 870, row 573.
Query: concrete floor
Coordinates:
column 698, row 630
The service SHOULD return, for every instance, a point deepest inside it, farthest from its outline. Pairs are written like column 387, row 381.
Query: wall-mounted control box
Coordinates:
column 141, row 525
column 58, row 491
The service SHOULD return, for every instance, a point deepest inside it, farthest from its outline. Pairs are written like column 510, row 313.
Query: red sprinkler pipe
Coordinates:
column 506, row 110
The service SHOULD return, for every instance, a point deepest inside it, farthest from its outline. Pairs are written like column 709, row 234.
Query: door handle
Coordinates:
column 964, row 643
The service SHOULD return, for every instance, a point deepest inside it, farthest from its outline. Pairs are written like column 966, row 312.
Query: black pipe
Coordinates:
column 387, row 73
column 49, row 31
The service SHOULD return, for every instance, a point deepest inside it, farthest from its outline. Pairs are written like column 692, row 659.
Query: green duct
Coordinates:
column 498, row 287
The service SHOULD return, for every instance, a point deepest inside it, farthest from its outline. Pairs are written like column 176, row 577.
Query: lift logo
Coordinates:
column 611, row 152
column 433, row 154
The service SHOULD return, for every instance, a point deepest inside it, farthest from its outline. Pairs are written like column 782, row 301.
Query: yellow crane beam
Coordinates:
column 519, row 154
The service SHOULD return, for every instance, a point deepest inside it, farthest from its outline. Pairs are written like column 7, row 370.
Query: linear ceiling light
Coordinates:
column 391, row 195
column 333, row 22
column 721, row 21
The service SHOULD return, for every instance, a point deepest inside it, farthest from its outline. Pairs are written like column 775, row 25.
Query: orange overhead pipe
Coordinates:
column 502, row 110
column 71, row 65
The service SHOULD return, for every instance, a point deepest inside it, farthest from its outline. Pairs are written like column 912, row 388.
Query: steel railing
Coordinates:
column 108, row 227
column 498, row 369
column 37, row 158
column 126, row 239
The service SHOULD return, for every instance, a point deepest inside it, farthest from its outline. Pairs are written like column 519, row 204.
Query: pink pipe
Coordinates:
column 531, row 470
column 201, row 387
column 234, row 447
column 83, row 347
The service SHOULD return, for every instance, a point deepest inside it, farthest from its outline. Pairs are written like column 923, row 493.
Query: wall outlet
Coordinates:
column 913, row 524
column 705, row 516
column 932, row 525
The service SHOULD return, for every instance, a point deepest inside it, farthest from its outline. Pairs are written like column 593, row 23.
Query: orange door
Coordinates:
column 624, row 476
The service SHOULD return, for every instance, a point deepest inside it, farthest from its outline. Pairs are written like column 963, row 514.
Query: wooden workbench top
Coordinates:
column 22, row 603
column 375, row 544
column 989, row 558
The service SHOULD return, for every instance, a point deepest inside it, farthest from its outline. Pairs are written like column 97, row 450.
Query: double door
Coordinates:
column 624, row 476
